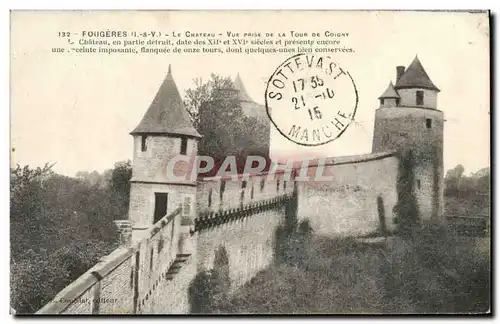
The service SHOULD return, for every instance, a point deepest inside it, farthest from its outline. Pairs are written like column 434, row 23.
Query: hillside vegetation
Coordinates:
column 467, row 195
column 430, row 272
column 428, row 269
column 59, row 228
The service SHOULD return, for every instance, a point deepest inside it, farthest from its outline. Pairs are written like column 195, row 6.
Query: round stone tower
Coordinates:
column 408, row 120
column 165, row 134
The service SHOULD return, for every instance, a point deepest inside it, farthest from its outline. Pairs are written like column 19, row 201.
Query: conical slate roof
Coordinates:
column 250, row 108
column 242, row 94
column 166, row 114
column 390, row 92
column 415, row 77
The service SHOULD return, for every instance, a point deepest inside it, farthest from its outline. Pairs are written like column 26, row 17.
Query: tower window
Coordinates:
column 382, row 101
column 210, row 198
column 397, row 102
column 151, row 259
column 420, row 98
column 418, row 184
column 183, row 146
column 428, row 123
column 144, row 144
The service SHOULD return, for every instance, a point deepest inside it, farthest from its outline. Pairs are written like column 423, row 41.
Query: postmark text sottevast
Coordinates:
column 310, row 99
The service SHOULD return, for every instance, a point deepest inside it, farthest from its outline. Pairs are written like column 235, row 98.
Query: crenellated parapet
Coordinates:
column 178, row 230
column 223, row 193
column 210, row 219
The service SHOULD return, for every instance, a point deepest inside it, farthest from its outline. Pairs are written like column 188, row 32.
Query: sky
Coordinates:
column 77, row 110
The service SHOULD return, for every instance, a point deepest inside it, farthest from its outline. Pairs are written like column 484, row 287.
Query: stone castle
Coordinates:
column 176, row 228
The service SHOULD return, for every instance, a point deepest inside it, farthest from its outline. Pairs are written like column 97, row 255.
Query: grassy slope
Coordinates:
column 434, row 273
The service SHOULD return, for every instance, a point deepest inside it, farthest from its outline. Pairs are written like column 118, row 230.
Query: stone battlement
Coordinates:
column 239, row 216
column 154, row 273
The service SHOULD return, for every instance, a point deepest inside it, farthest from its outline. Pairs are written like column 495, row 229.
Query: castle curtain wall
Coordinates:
column 348, row 204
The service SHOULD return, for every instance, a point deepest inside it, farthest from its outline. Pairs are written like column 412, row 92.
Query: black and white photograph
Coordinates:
column 250, row 162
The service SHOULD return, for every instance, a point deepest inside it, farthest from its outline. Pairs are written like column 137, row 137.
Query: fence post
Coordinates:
column 96, row 293
column 136, row 281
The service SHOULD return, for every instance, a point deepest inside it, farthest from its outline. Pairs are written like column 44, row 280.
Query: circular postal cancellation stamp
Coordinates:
column 311, row 100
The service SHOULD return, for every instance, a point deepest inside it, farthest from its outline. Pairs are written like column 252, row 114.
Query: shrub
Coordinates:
column 292, row 245
column 430, row 271
column 209, row 291
column 439, row 272
column 60, row 227
column 200, row 293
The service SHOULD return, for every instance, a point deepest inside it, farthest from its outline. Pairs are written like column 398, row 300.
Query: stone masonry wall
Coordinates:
column 248, row 238
column 405, row 128
column 216, row 194
column 249, row 243
column 142, row 200
column 133, row 279
column 151, row 165
column 348, row 204
column 240, row 215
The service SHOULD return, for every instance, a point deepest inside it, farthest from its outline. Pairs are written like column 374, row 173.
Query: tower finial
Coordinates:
column 167, row 102
column 414, row 77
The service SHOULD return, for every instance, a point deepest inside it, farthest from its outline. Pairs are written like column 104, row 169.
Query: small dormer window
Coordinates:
column 144, row 144
column 183, row 146
column 397, row 102
column 420, row 98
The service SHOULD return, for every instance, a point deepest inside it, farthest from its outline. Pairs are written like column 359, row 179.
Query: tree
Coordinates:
column 217, row 115
column 452, row 180
column 27, row 206
column 82, row 175
column 60, row 227
column 120, row 184
column 204, row 93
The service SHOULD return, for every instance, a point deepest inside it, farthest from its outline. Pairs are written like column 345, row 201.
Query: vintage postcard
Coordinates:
column 250, row 162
